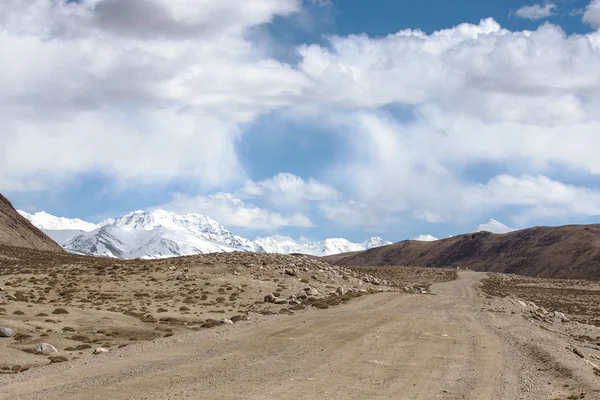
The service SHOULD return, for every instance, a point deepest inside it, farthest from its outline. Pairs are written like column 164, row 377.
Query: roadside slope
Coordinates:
column 567, row 252
column 17, row 231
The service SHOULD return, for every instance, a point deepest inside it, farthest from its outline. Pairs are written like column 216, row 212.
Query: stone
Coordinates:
column 280, row 301
column 312, row 292
column 5, row 332
column 290, row 272
column 182, row 277
column 302, row 295
column 270, row 298
column 579, row 353
column 376, row 282
column 100, row 350
column 521, row 302
column 227, row 321
column 341, row 290
column 44, row 347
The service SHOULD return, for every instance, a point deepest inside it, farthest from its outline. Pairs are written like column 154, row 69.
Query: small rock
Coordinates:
column 46, row 347
column 182, row 277
column 290, row 272
column 521, row 302
column 341, row 290
column 579, row 353
column 270, row 298
column 280, row 301
column 226, row 321
column 376, row 282
column 100, row 350
column 5, row 332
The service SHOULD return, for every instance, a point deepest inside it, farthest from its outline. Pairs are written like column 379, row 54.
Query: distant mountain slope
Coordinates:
column 16, row 230
column 43, row 220
column 571, row 252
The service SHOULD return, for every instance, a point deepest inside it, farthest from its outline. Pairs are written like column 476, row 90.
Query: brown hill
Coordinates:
column 570, row 252
column 18, row 231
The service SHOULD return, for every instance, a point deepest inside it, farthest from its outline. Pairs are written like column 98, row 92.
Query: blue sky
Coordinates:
column 306, row 118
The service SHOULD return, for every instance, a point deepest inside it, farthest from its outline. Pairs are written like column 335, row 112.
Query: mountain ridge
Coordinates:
column 564, row 252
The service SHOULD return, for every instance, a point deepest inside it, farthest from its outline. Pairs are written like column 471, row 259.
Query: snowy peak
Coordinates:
column 425, row 238
column 149, row 220
column 373, row 242
column 493, row 226
column 43, row 220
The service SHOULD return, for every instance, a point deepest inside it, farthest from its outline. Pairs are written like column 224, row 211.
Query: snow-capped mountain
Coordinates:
column 425, row 238
column 160, row 234
column 493, row 226
column 43, row 220
column 322, row 248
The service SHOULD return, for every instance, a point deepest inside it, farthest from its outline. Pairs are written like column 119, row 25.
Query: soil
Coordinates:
column 453, row 344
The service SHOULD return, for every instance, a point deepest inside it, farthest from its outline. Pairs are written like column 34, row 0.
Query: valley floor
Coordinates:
column 453, row 345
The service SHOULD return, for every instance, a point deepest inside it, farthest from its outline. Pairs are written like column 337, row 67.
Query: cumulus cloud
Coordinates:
column 288, row 189
column 163, row 99
column 139, row 90
column 591, row 14
column 536, row 11
column 476, row 94
column 233, row 212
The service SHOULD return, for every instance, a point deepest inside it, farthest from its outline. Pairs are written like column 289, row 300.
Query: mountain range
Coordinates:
column 161, row 234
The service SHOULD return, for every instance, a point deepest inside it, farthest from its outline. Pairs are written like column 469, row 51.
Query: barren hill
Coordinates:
column 571, row 252
column 17, row 231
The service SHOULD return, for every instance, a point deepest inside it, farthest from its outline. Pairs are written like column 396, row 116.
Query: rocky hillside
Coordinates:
column 17, row 231
column 571, row 252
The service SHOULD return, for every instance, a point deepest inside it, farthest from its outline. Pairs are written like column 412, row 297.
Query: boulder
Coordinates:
column 5, row 332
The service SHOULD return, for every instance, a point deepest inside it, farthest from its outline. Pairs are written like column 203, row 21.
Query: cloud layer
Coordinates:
column 439, row 127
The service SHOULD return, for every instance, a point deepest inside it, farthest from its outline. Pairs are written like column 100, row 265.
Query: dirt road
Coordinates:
column 388, row 346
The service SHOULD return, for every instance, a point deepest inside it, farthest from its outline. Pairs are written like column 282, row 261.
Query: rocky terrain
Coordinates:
column 79, row 304
column 566, row 252
column 15, row 230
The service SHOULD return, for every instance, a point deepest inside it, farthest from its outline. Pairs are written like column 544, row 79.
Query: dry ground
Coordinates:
column 78, row 304
column 453, row 344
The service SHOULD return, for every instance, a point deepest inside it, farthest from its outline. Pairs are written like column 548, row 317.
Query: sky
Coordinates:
column 304, row 118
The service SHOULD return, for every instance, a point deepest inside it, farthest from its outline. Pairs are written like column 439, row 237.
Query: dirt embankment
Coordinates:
column 567, row 252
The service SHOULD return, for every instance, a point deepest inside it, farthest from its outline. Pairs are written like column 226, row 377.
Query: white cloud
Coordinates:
column 141, row 90
column 350, row 213
column 591, row 14
column 526, row 102
column 536, row 11
column 161, row 99
column 233, row 212
column 288, row 189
